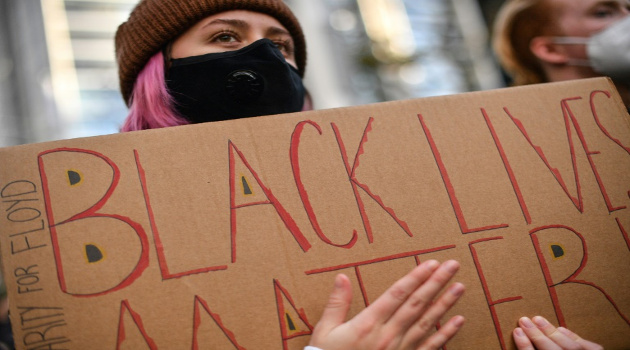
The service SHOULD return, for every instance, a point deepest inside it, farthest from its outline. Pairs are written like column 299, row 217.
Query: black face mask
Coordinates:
column 253, row 81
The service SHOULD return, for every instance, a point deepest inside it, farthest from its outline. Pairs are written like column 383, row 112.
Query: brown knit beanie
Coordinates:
column 155, row 23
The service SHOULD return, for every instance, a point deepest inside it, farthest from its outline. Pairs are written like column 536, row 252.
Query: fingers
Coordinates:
column 587, row 345
column 552, row 333
column 432, row 316
column 438, row 339
column 542, row 335
column 388, row 303
column 336, row 310
column 419, row 307
column 521, row 340
column 403, row 316
column 536, row 336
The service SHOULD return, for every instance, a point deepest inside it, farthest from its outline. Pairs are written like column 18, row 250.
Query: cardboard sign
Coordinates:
column 228, row 235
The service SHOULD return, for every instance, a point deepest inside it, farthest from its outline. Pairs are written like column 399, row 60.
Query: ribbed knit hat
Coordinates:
column 155, row 23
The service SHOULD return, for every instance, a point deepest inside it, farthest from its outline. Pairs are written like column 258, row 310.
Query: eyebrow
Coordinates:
column 232, row 22
column 614, row 3
column 277, row 31
column 239, row 23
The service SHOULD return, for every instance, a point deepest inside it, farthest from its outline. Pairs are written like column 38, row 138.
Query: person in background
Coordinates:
column 538, row 41
column 194, row 61
column 6, row 336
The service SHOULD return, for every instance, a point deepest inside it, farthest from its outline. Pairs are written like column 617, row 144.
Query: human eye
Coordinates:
column 285, row 46
column 224, row 37
column 603, row 12
column 611, row 9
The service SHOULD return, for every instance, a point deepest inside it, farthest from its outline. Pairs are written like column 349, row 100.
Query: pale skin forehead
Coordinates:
column 584, row 17
column 232, row 30
column 582, row 5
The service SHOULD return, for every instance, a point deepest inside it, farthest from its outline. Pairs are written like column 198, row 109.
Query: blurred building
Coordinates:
column 366, row 51
column 57, row 70
column 58, row 75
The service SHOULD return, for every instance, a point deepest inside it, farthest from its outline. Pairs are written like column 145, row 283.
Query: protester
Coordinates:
column 193, row 61
column 6, row 336
column 539, row 41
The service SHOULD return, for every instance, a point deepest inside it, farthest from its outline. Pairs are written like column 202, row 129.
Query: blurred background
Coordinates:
column 58, row 74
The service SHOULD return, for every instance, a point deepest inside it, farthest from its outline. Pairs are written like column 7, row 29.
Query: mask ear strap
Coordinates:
column 573, row 40
column 569, row 40
column 545, row 50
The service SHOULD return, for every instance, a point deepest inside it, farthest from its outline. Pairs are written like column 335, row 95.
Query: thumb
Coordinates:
column 336, row 310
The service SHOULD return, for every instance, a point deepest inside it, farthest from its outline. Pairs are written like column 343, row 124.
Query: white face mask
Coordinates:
column 608, row 51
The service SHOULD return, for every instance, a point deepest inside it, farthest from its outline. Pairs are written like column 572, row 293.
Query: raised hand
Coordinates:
column 404, row 317
column 539, row 334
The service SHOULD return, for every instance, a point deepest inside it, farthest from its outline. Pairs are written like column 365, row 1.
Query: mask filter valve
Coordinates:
column 244, row 86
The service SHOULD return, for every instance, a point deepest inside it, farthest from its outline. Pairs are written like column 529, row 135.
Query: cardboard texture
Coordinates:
column 228, row 235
